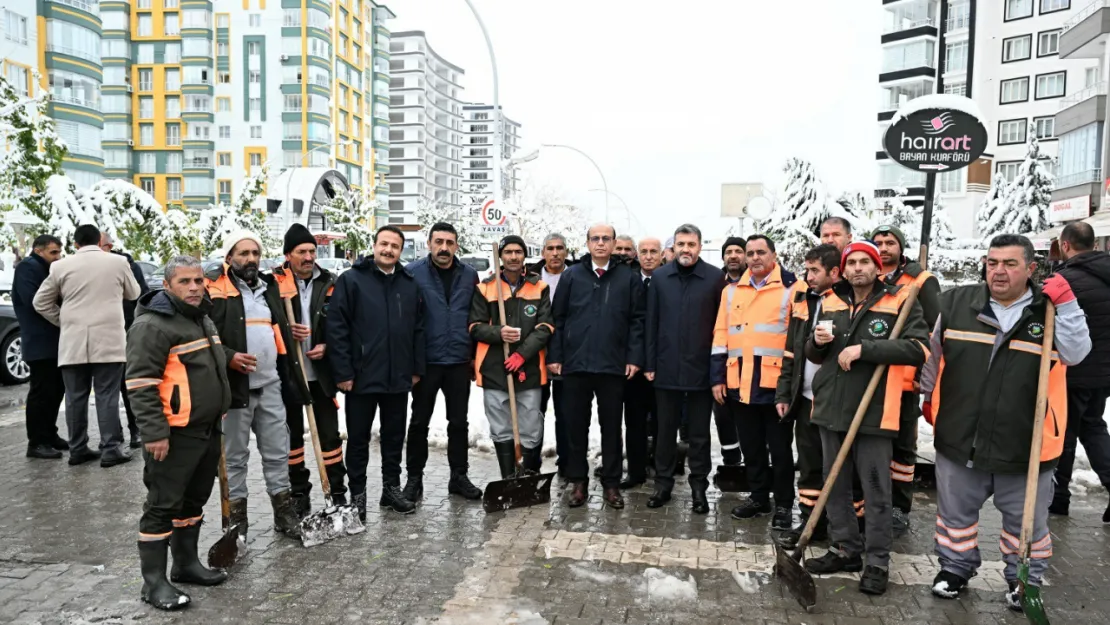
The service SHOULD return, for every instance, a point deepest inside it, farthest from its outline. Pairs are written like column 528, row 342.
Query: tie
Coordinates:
column 647, row 282
column 600, row 272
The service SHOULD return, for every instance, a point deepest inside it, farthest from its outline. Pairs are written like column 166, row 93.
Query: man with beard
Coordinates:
column 899, row 270
column 735, row 266
column 625, row 247
column 249, row 314
column 682, row 310
column 377, row 354
column 836, row 231
column 863, row 311
column 311, row 286
column 639, row 393
column 794, row 395
column 173, row 345
column 446, row 286
column 549, row 270
column 527, row 327
column 597, row 346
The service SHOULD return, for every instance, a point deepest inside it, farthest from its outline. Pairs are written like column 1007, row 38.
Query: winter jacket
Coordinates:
column 129, row 305
column 1088, row 274
column 322, row 287
column 176, row 369
column 230, row 319
column 529, row 309
column 681, row 313
column 39, row 336
column 445, row 323
column 836, row 392
column 599, row 322
column 375, row 327
column 928, row 294
column 789, row 387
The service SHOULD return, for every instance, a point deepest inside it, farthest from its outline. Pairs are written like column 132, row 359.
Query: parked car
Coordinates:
column 334, row 265
column 155, row 280
column 14, row 371
column 480, row 264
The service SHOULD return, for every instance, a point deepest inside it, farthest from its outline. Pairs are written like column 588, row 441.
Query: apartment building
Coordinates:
column 480, row 122
column 189, row 98
column 425, row 128
column 1005, row 55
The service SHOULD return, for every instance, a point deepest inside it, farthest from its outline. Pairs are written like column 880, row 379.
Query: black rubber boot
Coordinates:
column 461, row 485
column 285, row 519
column 157, row 590
column 302, row 505
column 237, row 513
column 506, row 458
column 414, row 488
column 532, row 458
column 187, row 568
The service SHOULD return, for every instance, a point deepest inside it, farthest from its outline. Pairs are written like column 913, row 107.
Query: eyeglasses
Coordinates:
column 604, row 239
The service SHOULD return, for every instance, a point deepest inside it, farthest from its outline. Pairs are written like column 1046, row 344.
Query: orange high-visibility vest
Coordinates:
column 909, row 381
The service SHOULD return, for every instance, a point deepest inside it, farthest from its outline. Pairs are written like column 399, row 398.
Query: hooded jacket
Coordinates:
column 1088, row 273
column 176, row 370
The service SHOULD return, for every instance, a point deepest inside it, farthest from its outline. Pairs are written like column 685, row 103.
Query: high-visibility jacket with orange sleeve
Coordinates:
column 928, row 295
column 528, row 308
column 749, row 339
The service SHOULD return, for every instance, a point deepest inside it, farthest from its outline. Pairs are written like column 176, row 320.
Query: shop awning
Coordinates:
column 1100, row 222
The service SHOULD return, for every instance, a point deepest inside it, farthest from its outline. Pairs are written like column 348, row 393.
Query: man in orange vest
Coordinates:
column 981, row 381
column 899, row 270
column 749, row 342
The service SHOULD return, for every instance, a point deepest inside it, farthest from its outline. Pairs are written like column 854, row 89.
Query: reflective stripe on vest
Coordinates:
column 909, row 376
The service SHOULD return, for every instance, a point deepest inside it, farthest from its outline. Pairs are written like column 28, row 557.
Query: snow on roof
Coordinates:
column 938, row 101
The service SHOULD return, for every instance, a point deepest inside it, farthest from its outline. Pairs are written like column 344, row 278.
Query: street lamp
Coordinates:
column 534, row 154
column 300, row 163
column 627, row 211
column 496, row 104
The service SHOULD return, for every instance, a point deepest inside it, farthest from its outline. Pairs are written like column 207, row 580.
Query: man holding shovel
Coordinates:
column 177, row 378
column 851, row 339
column 527, row 327
column 981, row 385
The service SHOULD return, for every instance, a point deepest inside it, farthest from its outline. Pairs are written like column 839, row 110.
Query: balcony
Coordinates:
column 1084, row 35
column 908, row 60
column 1082, row 108
column 1079, row 178
column 88, row 7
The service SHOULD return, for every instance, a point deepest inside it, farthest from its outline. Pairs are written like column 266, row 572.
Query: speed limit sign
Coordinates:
column 493, row 218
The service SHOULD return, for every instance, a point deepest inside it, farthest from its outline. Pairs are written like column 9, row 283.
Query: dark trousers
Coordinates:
column 726, row 429
column 44, row 398
column 360, row 417
column 454, row 381
column 331, row 446
column 579, row 390
column 178, row 486
column 1085, row 425
column 810, row 464
column 761, row 431
column 553, row 392
column 699, row 410
column 80, row 381
column 639, row 407
column 904, row 459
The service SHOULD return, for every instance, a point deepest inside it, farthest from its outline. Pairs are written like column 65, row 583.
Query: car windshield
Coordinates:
column 408, row 253
column 477, row 262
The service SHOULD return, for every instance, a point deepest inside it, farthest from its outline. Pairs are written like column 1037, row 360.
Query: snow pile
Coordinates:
column 750, row 582
column 938, row 101
column 592, row 574
column 664, row 588
column 1021, row 206
column 500, row 614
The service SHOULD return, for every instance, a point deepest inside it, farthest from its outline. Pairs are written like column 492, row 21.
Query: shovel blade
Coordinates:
column 1031, row 603
column 732, row 478
column 227, row 550
column 795, row 577
column 517, row 492
column 330, row 523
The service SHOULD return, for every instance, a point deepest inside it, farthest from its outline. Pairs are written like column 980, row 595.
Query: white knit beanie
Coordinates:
column 233, row 239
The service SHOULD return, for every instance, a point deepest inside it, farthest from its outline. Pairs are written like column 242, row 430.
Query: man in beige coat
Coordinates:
column 82, row 296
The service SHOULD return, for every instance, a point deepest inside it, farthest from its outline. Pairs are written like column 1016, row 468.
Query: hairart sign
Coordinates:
column 936, row 133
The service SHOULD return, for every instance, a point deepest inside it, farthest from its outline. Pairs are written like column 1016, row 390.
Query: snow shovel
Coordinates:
column 1031, row 602
column 788, row 565
column 230, row 547
column 523, row 488
column 333, row 521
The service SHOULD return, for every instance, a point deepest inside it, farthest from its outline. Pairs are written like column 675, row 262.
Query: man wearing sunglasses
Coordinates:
column 899, row 270
column 597, row 345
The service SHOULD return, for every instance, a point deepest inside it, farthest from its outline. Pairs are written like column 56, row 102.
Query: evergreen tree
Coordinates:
column 989, row 217
column 1021, row 206
column 349, row 213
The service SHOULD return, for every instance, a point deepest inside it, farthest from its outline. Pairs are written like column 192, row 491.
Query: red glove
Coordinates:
column 927, row 412
column 514, row 362
column 1057, row 289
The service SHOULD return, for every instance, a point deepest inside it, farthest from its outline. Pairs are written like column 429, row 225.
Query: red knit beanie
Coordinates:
column 867, row 247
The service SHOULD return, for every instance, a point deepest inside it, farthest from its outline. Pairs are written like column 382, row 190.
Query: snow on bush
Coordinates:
column 1021, row 206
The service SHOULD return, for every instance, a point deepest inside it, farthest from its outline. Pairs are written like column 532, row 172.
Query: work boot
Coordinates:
column 783, row 519
column 750, row 508
column 393, row 498
column 237, row 515
column 461, row 485
column 338, row 499
column 157, row 590
column 532, row 458
column 286, row 520
column 45, row 452
column 948, row 585
column 59, row 443
column 414, row 487
column 358, row 500
column 136, row 440
column 701, row 502
column 874, row 580
column 187, row 568
column 302, row 505
column 506, row 458
column 113, row 456
column 835, row 561
column 1059, row 507
column 790, row 537
column 730, row 457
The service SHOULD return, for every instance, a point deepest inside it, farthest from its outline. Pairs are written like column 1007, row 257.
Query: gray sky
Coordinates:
column 672, row 99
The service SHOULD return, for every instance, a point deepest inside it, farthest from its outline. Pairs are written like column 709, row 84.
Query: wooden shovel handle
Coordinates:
column 508, row 375
column 225, row 491
column 325, row 484
column 1039, row 415
column 857, row 421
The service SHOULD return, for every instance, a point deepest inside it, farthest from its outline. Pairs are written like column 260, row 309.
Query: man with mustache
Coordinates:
column 549, row 270
column 447, row 286
column 250, row 318
column 377, row 354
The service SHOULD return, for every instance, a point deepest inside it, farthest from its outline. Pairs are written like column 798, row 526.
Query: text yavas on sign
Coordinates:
column 936, row 133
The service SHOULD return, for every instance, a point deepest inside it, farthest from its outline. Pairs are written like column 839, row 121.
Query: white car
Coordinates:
column 334, row 265
column 480, row 263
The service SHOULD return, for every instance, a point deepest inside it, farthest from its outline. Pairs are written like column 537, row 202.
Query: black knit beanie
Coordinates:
column 297, row 235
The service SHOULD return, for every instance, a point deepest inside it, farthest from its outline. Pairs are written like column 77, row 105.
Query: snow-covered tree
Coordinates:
column 132, row 216
column 214, row 223
column 895, row 212
column 1021, row 206
column 542, row 210
column 429, row 212
column 349, row 213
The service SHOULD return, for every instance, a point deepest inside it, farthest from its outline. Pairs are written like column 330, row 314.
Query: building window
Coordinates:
column 956, row 88
column 951, row 182
column 173, row 134
column 146, row 53
column 1048, row 43
column 173, row 189
column 223, row 20
column 18, row 78
column 255, row 20
column 1015, row 90
column 1051, row 85
column 172, row 53
column 146, row 107
column 146, row 26
column 256, row 132
column 171, row 25
column 223, row 105
column 254, row 76
column 1012, row 131
column 173, row 79
column 955, row 57
column 148, row 163
column 223, row 159
column 173, row 162
column 222, row 48
column 144, row 4
column 1009, row 170
column 255, row 159
column 15, row 27
column 1080, row 156
column 224, row 187
column 1045, row 127
column 169, row 4
column 146, row 134
column 1018, row 9
column 1051, row 6
column 1016, row 48
column 255, row 104
column 254, row 48
column 146, row 80
column 147, row 184
column 173, row 107
column 1091, row 77
column 225, row 132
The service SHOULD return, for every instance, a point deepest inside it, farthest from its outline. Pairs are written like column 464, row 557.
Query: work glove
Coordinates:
column 514, row 362
column 927, row 412
column 1057, row 289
